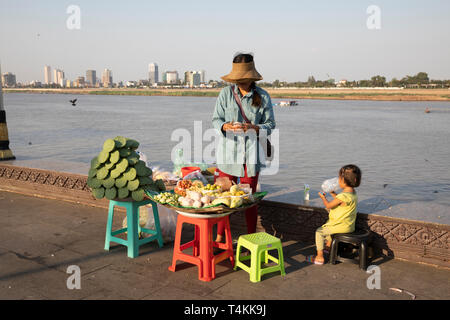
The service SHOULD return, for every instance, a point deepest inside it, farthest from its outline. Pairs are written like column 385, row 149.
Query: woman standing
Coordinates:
column 243, row 96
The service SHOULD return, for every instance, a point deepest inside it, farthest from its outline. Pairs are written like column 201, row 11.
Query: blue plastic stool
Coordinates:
column 133, row 228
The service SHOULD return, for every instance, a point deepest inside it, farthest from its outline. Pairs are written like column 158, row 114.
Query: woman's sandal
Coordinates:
column 311, row 259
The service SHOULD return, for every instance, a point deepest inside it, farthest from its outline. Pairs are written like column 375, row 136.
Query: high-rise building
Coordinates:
column 80, row 82
column 58, row 75
column 107, row 78
column 91, row 78
column 9, row 79
column 153, row 73
column 171, row 77
column 47, row 75
column 192, row 78
column 203, row 76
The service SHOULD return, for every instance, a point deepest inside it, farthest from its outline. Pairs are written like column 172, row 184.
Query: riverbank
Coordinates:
column 309, row 93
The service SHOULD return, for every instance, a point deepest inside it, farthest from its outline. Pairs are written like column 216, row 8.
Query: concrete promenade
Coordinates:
column 41, row 238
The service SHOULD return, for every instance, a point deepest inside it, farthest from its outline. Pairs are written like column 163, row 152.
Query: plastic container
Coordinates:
column 186, row 170
column 330, row 185
column 306, row 193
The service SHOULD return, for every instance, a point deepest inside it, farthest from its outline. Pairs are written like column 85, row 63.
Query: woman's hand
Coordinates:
column 248, row 126
column 322, row 195
column 228, row 126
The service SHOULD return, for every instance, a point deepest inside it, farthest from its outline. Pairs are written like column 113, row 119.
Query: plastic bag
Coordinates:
column 142, row 157
column 167, row 221
column 196, row 175
column 330, row 185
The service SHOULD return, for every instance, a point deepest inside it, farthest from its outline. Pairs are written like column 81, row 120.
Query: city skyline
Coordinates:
column 291, row 40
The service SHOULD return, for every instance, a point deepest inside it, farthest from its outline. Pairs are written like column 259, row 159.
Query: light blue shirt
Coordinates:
column 230, row 154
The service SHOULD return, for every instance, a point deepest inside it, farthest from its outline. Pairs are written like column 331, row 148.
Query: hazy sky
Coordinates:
column 290, row 39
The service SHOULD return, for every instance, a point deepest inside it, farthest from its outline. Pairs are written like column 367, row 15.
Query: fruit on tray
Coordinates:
column 117, row 172
column 211, row 187
column 168, row 198
column 225, row 201
column 236, row 202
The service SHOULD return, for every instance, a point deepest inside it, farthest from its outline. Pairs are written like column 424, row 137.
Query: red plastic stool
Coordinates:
column 202, row 245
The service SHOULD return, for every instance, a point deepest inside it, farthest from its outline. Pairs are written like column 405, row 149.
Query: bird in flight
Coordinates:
column 73, row 102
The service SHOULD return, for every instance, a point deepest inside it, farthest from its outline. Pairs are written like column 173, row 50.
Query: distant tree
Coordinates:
column 276, row 83
column 422, row 77
column 378, row 81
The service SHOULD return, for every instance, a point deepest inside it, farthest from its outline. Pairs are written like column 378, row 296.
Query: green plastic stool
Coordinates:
column 133, row 227
column 259, row 244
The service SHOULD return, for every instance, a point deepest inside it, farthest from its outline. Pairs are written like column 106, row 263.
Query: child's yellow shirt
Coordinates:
column 344, row 217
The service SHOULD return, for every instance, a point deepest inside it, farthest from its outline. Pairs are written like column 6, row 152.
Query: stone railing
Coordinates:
column 400, row 238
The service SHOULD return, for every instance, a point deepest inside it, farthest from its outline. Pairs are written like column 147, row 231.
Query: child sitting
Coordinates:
column 343, row 210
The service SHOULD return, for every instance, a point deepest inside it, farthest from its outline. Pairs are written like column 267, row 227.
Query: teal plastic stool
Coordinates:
column 259, row 244
column 133, row 228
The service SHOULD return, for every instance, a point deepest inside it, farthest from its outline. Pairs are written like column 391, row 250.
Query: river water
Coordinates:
column 404, row 154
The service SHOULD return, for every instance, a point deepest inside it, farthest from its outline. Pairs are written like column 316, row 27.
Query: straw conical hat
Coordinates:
column 242, row 71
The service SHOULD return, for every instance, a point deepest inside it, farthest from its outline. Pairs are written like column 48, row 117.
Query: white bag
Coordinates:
column 330, row 185
column 167, row 221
